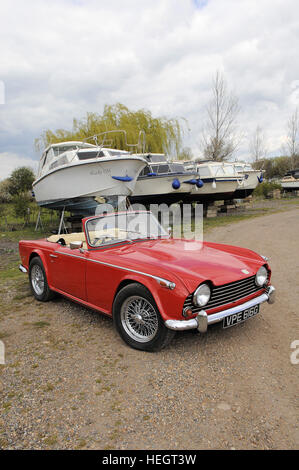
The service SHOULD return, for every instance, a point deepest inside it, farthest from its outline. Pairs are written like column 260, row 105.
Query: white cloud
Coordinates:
column 62, row 58
column 10, row 161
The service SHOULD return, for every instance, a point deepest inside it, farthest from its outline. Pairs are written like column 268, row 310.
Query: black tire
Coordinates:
column 155, row 335
column 40, row 289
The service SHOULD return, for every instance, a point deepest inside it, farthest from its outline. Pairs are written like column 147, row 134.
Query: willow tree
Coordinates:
column 162, row 135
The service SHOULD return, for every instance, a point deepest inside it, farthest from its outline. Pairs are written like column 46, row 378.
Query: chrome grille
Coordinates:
column 226, row 294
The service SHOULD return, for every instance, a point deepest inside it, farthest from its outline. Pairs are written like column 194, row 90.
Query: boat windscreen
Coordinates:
column 87, row 155
column 157, row 158
column 177, row 168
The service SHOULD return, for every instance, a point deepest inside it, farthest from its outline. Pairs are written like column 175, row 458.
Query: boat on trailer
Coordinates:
column 252, row 178
column 72, row 175
column 219, row 183
column 290, row 182
column 163, row 181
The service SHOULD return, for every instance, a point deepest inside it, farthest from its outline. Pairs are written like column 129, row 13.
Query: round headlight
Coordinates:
column 261, row 276
column 202, row 295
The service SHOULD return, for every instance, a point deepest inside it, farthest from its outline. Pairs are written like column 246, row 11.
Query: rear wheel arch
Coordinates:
column 38, row 279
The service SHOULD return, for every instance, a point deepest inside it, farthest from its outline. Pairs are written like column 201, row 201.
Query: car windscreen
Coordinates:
column 114, row 228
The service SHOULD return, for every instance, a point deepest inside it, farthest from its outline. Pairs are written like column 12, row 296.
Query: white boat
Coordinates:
column 163, row 181
column 73, row 174
column 290, row 182
column 219, row 182
column 252, row 178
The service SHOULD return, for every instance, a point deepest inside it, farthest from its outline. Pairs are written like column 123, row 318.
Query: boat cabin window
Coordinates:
column 157, row 158
column 239, row 168
column 93, row 154
column 145, row 171
column 204, row 171
column 48, row 157
column 160, row 168
column 218, row 170
column 229, row 169
column 116, row 153
column 177, row 168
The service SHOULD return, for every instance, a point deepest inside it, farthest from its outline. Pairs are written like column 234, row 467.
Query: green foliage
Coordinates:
column 185, row 154
column 5, row 195
column 162, row 135
column 276, row 167
column 263, row 189
column 21, row 180
column 21, row 204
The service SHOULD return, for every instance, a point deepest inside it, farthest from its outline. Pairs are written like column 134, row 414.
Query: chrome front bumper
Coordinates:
column 21, row 268
column 202, row 320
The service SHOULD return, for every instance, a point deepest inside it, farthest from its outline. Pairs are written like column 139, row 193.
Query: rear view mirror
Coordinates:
column 76, row 245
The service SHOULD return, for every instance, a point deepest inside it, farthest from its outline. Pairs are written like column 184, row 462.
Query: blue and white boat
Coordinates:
column 220, row 183
column 163, row 181
column 72, row 175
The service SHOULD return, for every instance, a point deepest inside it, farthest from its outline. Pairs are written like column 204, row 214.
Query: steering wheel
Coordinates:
column 101, row 239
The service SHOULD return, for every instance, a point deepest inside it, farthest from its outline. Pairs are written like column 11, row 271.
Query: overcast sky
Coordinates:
column 62, row 58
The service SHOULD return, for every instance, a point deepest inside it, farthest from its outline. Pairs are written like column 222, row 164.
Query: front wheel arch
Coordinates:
column 162, row 336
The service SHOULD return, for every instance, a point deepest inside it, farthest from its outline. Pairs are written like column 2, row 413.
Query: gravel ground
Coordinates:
column 70, row 382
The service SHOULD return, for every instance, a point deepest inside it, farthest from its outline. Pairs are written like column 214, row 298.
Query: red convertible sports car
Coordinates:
column 127, row 266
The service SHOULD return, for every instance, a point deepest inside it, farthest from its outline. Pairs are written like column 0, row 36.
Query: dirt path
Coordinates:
column 69, row 381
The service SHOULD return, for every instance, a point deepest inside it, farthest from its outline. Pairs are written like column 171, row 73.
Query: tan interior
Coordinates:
column 80, row 236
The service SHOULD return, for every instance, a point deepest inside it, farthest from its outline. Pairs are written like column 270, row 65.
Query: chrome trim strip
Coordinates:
column 202, row 320
column 170, row 284
column 21, row 268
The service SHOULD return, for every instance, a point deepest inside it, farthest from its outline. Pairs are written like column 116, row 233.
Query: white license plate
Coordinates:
column 236, row 318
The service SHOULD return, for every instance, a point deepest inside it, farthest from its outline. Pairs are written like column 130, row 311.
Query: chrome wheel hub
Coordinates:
column 37, row 279
column 139, row 319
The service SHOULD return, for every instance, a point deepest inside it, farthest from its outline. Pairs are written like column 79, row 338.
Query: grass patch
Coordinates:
column 22, row 295
column 49, row 388
column 40, row 324
column 6, row 406
column 10, row 272
column 3, row 334
column 81, row 443
column 50, row 440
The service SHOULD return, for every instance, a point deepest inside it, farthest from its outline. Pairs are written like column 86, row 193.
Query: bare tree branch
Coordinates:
column 292, row 137
column 257, row 145
column 219, row 139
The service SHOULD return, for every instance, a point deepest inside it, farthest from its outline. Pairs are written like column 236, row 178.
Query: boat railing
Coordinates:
column 101, row 140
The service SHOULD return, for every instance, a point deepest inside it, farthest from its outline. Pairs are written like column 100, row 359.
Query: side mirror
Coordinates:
column 76, row 245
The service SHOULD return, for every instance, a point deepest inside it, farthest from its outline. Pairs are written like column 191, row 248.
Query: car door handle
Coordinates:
column 53, row 256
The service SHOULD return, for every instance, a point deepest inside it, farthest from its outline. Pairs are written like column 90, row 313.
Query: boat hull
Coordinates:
column 159, row 189
column 224, row 190
column 87, row 180
column 290, row 185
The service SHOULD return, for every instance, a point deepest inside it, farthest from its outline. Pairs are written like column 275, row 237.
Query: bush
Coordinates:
column 263, row 189
column 21, row 180
column 21, row 205
column 5, row 195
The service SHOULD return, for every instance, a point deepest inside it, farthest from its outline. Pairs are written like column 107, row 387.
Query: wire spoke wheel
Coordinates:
column 37, row 279
column 139, row 319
